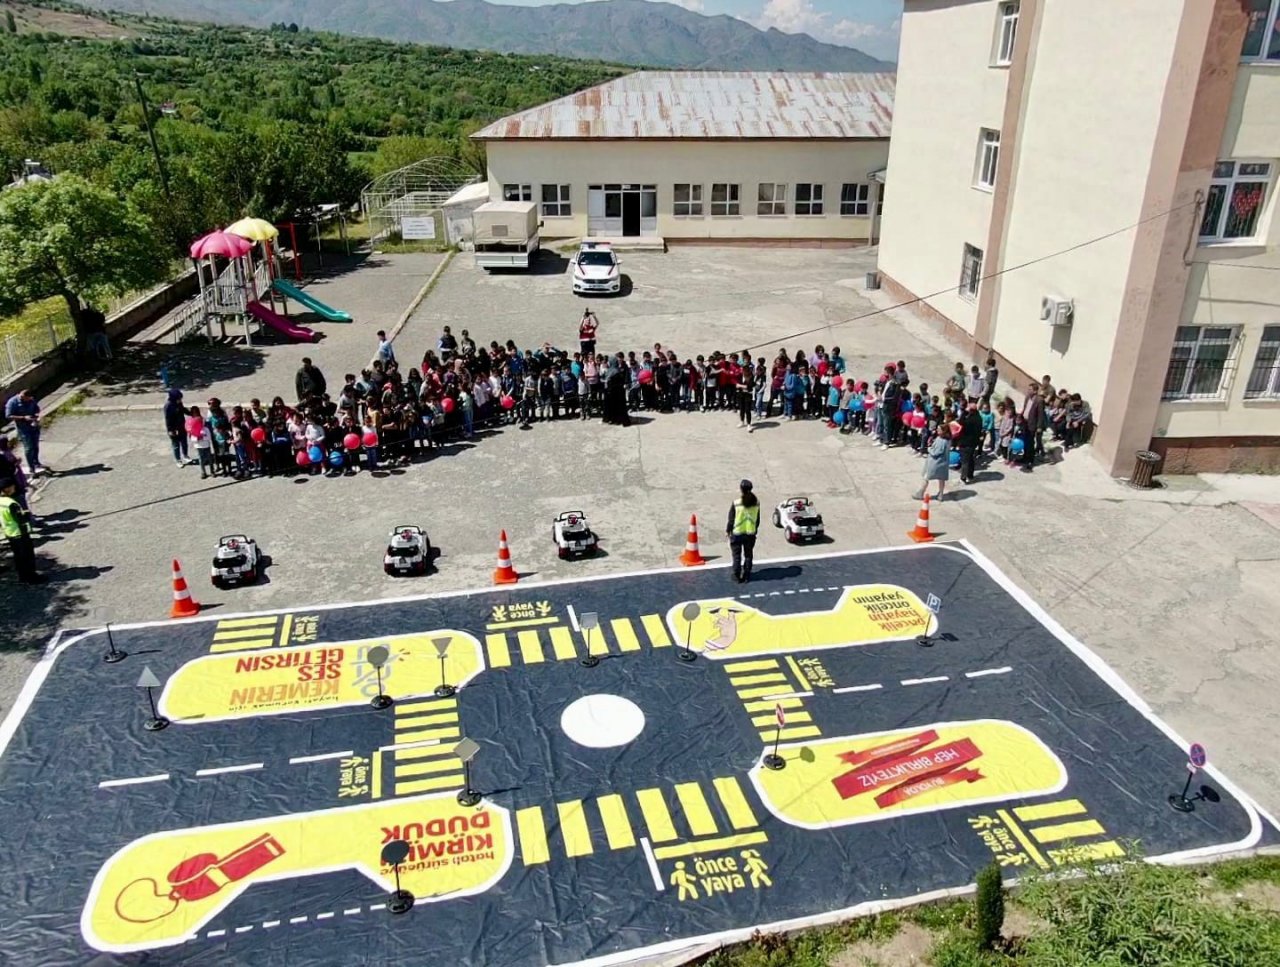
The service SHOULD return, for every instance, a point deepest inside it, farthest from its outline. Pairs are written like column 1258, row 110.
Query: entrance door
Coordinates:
column 631, row 213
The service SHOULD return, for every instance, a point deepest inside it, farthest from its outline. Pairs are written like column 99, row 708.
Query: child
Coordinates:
column 202, row 440
column 833, row 404
column 1022, row 431
column 1004, row 430
column 988, row 427
column 368, row 431
column 240, row 442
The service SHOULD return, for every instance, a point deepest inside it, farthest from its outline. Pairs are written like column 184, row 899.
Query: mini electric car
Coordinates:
column 235, row 561
column 799, row 520
column 573, row 535
column 408, row 551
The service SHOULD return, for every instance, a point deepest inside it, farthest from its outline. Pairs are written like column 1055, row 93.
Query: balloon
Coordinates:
column 301, row 459
column 351, row 441
column 257, row 434
column 837, row 381
column 856, row 404
column 908, row 406
column 919, row 421
column 1017, row 447
column 335, row 458
column 447, row 404
column 645, row 376
column 822, row 367
column 955, row 428
column 508, row 402
column 316, row 454
column 195, row 425
column 839, row 416
column 953, row 460
column 370, row 438
column 576, row 369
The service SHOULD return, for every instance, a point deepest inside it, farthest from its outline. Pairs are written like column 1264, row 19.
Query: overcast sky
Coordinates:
column 869, row 25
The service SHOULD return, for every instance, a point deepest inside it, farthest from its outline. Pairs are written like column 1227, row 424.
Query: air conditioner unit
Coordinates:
column 1057, row 311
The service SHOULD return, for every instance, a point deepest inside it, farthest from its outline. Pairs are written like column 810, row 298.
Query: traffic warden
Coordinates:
column 17, row 531
column 744, row 522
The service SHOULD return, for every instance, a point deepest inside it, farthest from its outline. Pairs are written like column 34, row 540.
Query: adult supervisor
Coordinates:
column 17, row 531
column 744, row 522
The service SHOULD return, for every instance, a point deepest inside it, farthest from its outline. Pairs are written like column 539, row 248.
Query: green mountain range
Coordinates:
column 621, row 31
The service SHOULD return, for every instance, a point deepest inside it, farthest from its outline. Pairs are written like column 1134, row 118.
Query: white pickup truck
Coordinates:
column 505, row 234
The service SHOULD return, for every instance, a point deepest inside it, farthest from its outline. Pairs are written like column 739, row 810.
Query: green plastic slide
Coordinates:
column 291, row 291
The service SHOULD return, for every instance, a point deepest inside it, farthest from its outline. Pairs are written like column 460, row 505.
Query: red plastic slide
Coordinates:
column 282, row 325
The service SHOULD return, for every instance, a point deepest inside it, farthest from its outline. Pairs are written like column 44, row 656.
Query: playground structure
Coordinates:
column 417, row 193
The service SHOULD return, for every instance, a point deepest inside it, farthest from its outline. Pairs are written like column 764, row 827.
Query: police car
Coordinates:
column 595, row 269
column 235, row 561
column 573, row 535
column 798, row 520
column 408, row 551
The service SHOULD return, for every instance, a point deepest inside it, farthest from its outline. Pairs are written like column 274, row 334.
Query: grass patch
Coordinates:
column 1256, row 869
column 811, row 948
column 34, row 320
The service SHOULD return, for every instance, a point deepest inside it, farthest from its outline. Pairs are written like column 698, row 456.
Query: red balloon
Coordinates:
column 302, row 459
column 351, row 441
column 447, row 404
column 955, row 427
column 370, row 439
column 920, row 421
column 508, row 402
column 195, row 425
column 257, row 434
column 822, row 367
column 645, row 376
column 837, row 381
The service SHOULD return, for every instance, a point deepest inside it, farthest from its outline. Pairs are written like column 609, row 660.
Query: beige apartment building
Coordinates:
column 1088, row 189
column 688, row 156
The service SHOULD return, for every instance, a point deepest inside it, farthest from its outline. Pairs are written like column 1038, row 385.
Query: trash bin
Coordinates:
column 1144, row 469
column 873, row 280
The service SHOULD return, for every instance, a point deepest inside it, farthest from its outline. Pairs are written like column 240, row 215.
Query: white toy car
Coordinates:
column 408, row 551
column 235, row 561
column 595, row 269
column 573, row 535
column 798, row 520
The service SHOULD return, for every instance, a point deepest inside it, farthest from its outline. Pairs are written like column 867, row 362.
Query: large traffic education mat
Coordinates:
column 622, row 807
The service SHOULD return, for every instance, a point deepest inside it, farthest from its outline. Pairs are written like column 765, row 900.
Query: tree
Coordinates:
column 72, row 239
column 990, row 905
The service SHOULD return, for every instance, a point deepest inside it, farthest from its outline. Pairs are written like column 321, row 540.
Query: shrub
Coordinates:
column 989, row 904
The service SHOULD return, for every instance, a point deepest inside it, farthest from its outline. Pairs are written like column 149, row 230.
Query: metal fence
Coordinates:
column 21, row 349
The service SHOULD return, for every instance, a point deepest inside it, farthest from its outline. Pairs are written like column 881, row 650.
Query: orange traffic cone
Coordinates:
column 692, row 556
column 184, row 606
column 505, row 573
column 921, row 534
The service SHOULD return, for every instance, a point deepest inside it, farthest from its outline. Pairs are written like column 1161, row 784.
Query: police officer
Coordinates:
column 744, row 522
column 17, row 531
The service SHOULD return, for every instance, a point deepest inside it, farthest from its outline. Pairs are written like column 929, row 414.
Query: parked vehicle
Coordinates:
column 595, row 270
column 505, row 234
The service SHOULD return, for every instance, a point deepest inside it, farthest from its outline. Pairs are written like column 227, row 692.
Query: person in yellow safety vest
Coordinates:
column 17, row 531
column 744, row 522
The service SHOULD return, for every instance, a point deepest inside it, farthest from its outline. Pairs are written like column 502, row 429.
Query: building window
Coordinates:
column 988, row 158
column 855, row 200
column 1236, row 198
column 880, row 200
column 1200, row 363
column 1262, row 37
column 1006, row 32
column 1264, row 378
column 555, row 201
column 808, row 199
column 688, row 200
column 517, row 192
column 771, row 199
column 724, row 200
column 970, row 272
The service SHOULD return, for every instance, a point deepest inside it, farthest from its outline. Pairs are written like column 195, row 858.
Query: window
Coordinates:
column 517, row 192
column 1199, row 363
column 1006, row 33
column 808, row 199
column 880, row 200
column 1264, row 378
column 771, row 199
column 555, row 201
column 970, row 272
column 724, row 200
column 1262, row 36
column 988, row 158
column 855, row 200
column 688, row 200
column 1236, row 198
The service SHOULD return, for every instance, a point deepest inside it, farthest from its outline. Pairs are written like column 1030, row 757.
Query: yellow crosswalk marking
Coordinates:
column 768, row 706
column 800, row 732
column 1022, row 838
column 562, row 644
column 248, row 622
column 1109, row 850
column 696, row 810
column 421, row 735
column 617, row 827
column 762, row 690
column 734, row 802
column 533, row 835
column 426, row 705
column 1078, row 830
column 223, row 646
column 428, row 766
column 573, row 827
column 530, row 647
column 656, row 629
column 426, row 752
column 750, row 666
column 739, row 681
column 427, row 785
column 286, row 627
column 596, row 645
column 801, row 677
column 499, row 652
column 1050, row 810
column 375, row 778
column 418, row 721
column 772, row 722
column 710, row 845
column 625, row 633
column 240, row 634
column 657, row 818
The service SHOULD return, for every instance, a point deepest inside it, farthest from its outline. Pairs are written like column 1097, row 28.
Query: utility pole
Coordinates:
column 155, row 148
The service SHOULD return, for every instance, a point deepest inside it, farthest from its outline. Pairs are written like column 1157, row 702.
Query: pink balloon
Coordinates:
column 351, row 441
column 822, row 367
column 257, row 434
column 447, row 404
column 302, row 459
column 645, row 376
column 955, row 427
column 921, row 421
column 370, row 439
column 508, row 402
column 837, row 381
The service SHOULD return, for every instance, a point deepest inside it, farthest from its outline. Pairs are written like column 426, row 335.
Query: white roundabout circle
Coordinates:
column 602, row 721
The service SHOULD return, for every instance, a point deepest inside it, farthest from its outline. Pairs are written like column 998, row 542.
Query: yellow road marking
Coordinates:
column 1110, row 850
column 656, row 815
column 286, row 627
column 247, row 622
column 739, row 680
column 239, row 634
column 1079, row 830
column 425, row 752
column 734, row 802
column 768, row 706
column 426, row 705
column 427, row 785
column 573, row 827
column 757, row 692
column 523, row 622
column 617, row 827
column 625, row 632
column 417, row 721
column 499, row 653
column 450, row 732
column 1021, row 837
column 562, row 644
column 596, row 645
column 801, row 677
column 425, row 768
column 771, row 721
column 1050, row 810
column 800, row 732
column 656, row 629
column 375, row 779
column 696, row 810
column 533, row 835
column 224, row 646
column 750, row 666
column 710, row 845
column 530, row 647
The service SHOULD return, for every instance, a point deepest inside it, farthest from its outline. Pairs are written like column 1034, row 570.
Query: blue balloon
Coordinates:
column 840, row 416
column 1017, row 447
column 954, row 459
column 908, row 406
column 335, row 458
column 316, row 454
column 856, row 404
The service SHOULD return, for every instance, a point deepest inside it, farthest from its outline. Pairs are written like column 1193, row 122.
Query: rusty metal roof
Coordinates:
column 662, row 105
